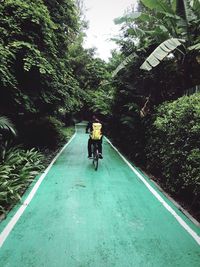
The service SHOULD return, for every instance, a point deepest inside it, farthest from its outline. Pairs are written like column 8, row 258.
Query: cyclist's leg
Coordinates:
column 100, row 148
column 96, row 154
column 89, row 147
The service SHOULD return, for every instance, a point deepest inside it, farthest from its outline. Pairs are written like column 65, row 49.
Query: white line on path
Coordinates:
column 159, row 198
column 4, row 234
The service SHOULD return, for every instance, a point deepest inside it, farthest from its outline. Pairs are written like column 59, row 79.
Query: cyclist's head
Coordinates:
column 94, row 118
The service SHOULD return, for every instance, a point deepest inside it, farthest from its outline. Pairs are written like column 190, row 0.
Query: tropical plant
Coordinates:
column 186, row 15
column 174, row 24
column 7, row 133
column 160, row 53
column 165, row 35
column 16, row 172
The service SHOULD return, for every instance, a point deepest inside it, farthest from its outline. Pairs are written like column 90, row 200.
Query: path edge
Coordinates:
column 192, row 233
column 8, row 228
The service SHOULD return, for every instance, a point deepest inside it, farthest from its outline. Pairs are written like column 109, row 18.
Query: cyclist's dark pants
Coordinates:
column 90, row 142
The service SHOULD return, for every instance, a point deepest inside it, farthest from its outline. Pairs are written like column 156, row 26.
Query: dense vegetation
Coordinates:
column 173, row 148
column 18, row 169
column 158, row 61
column 47, row 79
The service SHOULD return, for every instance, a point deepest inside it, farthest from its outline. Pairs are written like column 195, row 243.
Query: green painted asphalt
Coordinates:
column 83, row 218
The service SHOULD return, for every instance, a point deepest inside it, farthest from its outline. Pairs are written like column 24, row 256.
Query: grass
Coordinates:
column 68, row 131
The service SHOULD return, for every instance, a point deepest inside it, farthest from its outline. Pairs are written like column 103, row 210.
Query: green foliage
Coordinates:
column 16, row 173
column 167, row 143
column 32, row 57
column 147, row 32
column 93, row 78
column 7, row 134
column 163, row 50
column 43, row 65
column 7, row 78
column 127, row 130
column 64, row 14
column 34, row 69
column 173, row 146
column 7, row 126
column 44, row 72
column 100, row 100
column 68, row 132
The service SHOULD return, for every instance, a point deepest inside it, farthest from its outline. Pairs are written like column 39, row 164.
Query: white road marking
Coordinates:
column 6, row 231
column 159, row 198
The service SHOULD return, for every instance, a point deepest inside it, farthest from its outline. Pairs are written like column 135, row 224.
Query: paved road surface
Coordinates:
column 109, row 218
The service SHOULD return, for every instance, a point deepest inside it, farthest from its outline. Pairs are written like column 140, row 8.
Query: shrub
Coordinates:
column 173, row 148
column 16, row 172
column 127, row 131
column 44, row 132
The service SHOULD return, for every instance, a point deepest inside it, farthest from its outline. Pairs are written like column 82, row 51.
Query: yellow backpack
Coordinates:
column 96, row 131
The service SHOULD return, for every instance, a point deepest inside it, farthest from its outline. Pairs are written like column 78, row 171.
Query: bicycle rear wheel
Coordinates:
column 95, row 153
column 96, row 162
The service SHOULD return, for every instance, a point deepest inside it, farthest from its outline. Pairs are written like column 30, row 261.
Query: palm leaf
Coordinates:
column 160, row 53
column 6, row 125
column 127, row 18
column 185, row 11
column 158, row 5
column 195, row 4
column 124, row 63
column 194, row 47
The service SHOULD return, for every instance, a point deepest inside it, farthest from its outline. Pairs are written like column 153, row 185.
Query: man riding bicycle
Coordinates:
column 95, row 129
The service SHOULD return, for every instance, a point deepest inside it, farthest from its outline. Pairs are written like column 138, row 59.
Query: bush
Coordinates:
column 173, row 148
column 16, row 172
column 44, row 132
column 127, row 131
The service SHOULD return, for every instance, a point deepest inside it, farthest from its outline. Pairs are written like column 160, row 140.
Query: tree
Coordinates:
column 34, row 40
column 163, row 27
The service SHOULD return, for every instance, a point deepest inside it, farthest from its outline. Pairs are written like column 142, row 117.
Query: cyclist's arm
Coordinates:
column 89, row 125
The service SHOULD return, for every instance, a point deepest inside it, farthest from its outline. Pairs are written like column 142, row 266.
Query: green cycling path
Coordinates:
column 82, row 218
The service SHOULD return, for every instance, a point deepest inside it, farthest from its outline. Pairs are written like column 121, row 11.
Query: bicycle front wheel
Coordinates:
column 96, row 162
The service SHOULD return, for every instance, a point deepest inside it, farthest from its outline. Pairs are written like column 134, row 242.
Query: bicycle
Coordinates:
column 95, row 155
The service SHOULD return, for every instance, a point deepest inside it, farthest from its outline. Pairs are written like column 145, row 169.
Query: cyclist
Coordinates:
column 95, row 129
